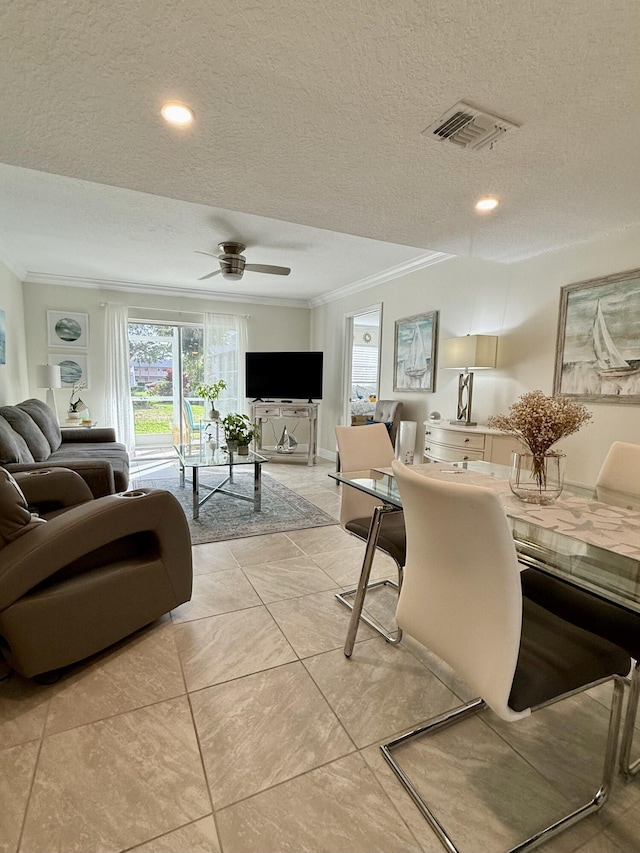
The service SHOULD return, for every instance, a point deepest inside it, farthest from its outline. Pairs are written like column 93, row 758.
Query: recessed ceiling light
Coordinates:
column 176, row 113
column 487, row 204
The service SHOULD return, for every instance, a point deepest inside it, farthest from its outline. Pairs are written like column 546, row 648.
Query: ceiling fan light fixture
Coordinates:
column 233, row 263
column 176, row 113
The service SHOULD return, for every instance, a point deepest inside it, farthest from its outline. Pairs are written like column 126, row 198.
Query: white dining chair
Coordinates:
column 619, row 478
column 461, row 598
column 362, row 448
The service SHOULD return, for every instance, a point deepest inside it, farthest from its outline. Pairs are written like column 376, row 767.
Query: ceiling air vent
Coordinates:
column 468, row 127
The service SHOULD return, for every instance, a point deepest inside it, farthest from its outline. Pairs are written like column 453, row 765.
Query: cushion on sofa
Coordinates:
column 113, row 453
column 44, row 417
column 13, row 447
column 25, row 426
column 15, row 518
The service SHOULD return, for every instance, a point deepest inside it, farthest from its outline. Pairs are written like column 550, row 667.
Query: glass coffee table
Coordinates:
column 204, row 457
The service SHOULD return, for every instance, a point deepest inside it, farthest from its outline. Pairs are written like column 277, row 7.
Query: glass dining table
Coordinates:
column 591, row 544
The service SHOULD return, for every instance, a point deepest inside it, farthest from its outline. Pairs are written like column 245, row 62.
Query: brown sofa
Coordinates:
column 31, row 438
column 86, row 574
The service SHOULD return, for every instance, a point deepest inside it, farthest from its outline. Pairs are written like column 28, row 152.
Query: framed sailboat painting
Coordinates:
column 598, row 346
column 415, row 353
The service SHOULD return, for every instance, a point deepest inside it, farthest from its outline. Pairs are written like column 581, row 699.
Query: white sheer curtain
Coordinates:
column 225, row 344
column 118, row 408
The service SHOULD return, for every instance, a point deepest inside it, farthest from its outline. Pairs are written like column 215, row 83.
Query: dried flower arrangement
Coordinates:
column 539, row 421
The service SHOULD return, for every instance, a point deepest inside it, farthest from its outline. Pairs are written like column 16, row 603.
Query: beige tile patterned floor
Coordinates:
column 237, row 724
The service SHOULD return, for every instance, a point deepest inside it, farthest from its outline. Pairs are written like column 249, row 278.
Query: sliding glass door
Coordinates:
column 167, row 362
column 166, row 365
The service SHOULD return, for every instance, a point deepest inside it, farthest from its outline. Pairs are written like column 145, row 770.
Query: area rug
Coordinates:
column 226, row 517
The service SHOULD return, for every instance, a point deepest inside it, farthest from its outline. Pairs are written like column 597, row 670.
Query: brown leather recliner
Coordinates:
column 85, row 573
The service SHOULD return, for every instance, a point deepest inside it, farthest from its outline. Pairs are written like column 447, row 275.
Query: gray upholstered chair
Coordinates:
column 90, row 575
column 461, row 598
column 388, row 412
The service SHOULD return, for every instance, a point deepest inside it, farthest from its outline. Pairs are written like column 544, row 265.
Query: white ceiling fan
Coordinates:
column 233, row 263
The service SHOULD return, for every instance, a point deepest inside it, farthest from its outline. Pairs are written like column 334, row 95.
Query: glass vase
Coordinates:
column 537, row 479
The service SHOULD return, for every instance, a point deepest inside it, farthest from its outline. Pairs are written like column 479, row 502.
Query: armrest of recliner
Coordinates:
column 97, row 473
column 60, row 486
column 40, row 553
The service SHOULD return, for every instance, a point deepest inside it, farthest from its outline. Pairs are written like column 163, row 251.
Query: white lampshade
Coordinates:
column 48, row 376
column 471, row 352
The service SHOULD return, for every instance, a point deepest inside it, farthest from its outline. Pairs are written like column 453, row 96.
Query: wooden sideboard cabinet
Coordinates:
column 261, row 412
column 445, row 442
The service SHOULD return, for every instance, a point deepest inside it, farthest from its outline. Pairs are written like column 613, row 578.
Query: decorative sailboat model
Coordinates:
column 416, row 365
column 609, row 361
column 287, row 443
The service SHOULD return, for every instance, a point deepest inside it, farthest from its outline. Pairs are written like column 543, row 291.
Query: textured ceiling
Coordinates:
column 312, row 114
column 66, row 231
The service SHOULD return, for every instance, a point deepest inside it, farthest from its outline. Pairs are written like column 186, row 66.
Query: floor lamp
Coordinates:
column 48, row 376
column 466, row 354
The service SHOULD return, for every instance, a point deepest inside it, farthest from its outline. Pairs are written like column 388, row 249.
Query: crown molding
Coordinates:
column 154, row 289
column 407, row 267
column 17, row 269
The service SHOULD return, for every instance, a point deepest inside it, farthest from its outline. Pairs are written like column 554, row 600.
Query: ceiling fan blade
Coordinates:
column 267, row 268
column 211, row 274
column 208, row 254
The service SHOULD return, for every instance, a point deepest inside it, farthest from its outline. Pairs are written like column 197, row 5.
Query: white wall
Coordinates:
column 269, row 328
column 517, row 302
column 13, row 375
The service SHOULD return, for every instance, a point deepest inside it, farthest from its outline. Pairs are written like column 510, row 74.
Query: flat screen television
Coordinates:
column 284, row 375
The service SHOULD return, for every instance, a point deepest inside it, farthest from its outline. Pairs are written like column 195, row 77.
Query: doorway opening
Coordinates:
column 362, row 363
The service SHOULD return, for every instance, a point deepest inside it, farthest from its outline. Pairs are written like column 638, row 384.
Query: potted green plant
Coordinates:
column 211, row 393
column 239, row 432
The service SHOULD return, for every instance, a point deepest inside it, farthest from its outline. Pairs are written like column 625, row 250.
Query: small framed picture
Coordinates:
column 73, row 368
column 415, row 353
column 68, row 329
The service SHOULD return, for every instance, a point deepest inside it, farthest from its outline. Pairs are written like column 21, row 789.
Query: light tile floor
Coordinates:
column 237, row 724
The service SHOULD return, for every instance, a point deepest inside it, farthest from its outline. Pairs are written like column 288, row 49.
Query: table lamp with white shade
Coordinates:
column 466, row 354
column 48, row 376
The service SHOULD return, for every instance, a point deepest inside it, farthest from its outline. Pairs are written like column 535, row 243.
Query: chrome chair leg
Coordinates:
column 363, row 584
column 628, row 767
column 392, row 638
column 470, row 708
